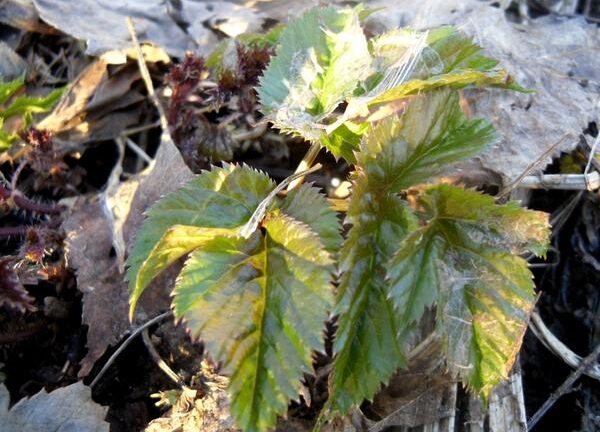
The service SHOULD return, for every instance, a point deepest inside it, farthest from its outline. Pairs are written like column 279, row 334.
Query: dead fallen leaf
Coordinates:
column 98, row 106
column 11, row 64
column 67, row 409
column 90, row 237
column 176, row 27
column 22, row 14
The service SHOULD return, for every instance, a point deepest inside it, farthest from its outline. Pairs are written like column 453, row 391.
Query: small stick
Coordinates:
column 564, row 387
column 159, row 361
column 127, row 341
column 13, row 231
column 138, row 150
column 146, row 75
column 558, row 348
column 508, row 189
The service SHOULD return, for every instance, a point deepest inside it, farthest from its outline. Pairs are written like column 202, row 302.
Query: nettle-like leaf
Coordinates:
column 407, row 62
column 322, row 57
column 465, row 259
column 259, row 303
column 367, row 348
column 376, row 314
column 222, row 198
column 433, row 133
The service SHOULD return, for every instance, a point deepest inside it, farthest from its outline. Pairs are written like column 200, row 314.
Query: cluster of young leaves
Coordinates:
column 20, row 106
column 259, row 297
column 325, row 60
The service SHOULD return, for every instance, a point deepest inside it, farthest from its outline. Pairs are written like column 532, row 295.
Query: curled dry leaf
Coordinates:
column 93, row 108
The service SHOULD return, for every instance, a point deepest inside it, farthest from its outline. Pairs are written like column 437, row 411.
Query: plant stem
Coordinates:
column 564, row 387
column 27, row 204
column 306, row 162
column 13, row 231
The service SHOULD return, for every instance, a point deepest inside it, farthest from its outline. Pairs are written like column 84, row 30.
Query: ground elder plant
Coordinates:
column 258, row 282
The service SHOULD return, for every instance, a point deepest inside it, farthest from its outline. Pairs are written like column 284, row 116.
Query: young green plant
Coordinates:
column 260, row 300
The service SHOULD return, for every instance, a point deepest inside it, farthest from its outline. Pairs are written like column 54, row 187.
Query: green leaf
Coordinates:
column 367, row 349
column 305, row 204
column 178, row 241
column 25, row 105
column 321, row 59
column 259, row 305
column 457, row 51
column 432, row 133
column 464, row 259
column 7, row 89
column 6, row 139
column 407, row 63
column 222, row 198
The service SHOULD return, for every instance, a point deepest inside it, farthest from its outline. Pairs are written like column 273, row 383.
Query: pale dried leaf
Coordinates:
column 176, row 27
column 67, row 409
column 12, row 65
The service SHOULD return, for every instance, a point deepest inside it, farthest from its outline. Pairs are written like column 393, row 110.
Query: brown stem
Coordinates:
column 27, row 204
column 13, row 231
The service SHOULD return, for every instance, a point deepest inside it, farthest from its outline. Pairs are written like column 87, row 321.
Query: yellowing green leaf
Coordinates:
column 464, row 260
column 178, row 241
column 259, row 305
column 305, row 204
column 221, row 198
column 406, row 63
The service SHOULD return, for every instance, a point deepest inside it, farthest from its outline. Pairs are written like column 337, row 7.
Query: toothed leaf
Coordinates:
column 259, row 305
column 367, row 350
column 322, row 57
column 27, row 105
column 221, row 198
column 178, row 241
column 7, row 89
column 464, row 259
column 307, row 205
column 407, row 62
column 432, row 133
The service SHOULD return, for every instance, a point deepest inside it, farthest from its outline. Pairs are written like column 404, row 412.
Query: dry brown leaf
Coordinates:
column 98, row 106
column 11, row 64
column 23, row 15
column 90, row 232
